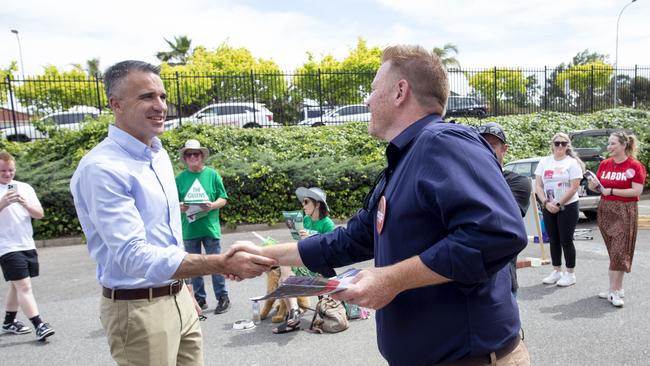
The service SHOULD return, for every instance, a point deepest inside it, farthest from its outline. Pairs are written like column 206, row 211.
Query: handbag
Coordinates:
column 329, row 316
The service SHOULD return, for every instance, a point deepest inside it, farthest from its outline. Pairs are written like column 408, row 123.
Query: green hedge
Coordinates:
column 261, row 168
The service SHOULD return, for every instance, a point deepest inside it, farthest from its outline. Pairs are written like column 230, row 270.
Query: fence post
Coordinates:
column 592, row 89
column 496, row 106
column 99, row 98
column 320, row 95
column 13, row 109
column 634, row 90
column 253, row 92
column 178, row 98
column 545, row 90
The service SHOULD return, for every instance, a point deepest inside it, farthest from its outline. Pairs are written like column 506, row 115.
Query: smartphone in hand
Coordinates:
column 11, row 187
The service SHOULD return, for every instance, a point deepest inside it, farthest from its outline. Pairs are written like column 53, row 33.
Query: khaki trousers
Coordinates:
column 163, row 332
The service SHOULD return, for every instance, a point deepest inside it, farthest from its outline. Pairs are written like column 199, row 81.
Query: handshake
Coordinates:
column 245, row 260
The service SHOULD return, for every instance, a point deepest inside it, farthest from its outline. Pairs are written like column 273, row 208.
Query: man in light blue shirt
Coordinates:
column 126, row 199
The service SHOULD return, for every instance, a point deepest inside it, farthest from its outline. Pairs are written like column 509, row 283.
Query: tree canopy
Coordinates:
column 3, row 78
column 339, row 82
column 223, row 75
column 179, row 52
column 447, row 59
column 57, row 90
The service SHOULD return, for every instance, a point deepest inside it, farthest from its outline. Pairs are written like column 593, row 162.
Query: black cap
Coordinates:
column 494, row 129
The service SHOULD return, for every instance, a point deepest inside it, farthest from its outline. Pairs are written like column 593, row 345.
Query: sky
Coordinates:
column 487, row 33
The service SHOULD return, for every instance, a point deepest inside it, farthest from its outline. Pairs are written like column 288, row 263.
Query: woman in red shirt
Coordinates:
column 622, row 178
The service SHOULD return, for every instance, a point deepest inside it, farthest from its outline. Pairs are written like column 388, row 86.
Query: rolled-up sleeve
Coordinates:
column 463, row 182
column 341, row 247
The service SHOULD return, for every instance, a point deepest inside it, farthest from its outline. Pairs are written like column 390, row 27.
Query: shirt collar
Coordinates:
column 133, row 146
column 405, row 137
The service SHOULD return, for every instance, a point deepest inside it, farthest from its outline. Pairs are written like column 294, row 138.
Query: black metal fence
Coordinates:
column 291, row 98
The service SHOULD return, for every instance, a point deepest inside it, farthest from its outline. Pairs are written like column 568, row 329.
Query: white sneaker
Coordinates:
column 567, row 279
column 605, row 294
column 552, row 278
column 615, row 299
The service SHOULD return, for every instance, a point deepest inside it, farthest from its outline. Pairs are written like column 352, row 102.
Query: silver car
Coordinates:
column 236, row 114
column 340, row 115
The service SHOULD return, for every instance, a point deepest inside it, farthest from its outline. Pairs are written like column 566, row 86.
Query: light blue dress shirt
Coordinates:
column 127, row 204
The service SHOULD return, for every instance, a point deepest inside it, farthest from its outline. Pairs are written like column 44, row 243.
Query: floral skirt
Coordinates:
column 618, row 221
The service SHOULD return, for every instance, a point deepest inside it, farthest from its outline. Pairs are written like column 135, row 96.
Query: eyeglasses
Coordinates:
column 492, row 130
column 306, row 202
column 560, row 143
column 192, row 154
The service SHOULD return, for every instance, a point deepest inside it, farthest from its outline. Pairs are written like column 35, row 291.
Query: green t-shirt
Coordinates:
column 209, row 183
column 324, row 225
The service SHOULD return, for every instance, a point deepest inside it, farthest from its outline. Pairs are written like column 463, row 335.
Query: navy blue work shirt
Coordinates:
column 448, row 203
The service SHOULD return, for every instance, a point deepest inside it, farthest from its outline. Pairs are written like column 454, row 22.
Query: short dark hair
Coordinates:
column 116, row 73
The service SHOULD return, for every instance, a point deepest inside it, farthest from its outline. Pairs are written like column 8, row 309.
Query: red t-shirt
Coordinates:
column 620, row 176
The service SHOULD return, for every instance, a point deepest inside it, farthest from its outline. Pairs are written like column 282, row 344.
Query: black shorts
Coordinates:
column 19, row 265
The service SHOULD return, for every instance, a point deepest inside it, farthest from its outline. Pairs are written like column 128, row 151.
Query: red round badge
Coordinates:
column 381, row 214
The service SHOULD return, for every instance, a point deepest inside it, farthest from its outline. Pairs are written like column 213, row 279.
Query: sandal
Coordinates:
column 291, row 323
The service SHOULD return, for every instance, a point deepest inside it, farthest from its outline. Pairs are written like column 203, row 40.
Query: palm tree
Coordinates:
column 445, row 55
column 92, row 67
column 180, row 51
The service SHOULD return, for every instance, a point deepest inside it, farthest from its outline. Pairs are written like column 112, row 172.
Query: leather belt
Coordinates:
column 142, row 293
column 483, row 360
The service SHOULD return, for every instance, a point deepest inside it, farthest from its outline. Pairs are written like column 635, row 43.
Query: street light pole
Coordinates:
column 20, row 53
column 616, row 57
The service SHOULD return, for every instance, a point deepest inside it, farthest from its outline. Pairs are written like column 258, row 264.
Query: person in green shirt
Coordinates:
column 201, row 194
column 316, row 221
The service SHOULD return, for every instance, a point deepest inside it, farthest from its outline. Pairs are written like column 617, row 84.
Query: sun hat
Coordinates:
column 494, row 129
column 194, row 145
column 314, row 193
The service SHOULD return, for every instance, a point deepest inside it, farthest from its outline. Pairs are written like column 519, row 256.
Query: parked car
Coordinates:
column 460, row 106
column 236, row 114
column 348, row 113
column 312, row 112
column 591, row 147
column 71, row 119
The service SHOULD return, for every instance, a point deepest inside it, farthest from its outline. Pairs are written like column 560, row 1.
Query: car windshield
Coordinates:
column 597, row 142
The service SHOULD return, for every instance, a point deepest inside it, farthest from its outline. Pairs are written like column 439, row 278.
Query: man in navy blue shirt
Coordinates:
column 441, row 225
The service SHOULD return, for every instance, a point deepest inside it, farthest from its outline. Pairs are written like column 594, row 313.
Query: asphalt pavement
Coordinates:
column 563, row 326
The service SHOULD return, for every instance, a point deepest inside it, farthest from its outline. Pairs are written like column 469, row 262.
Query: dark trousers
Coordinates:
column 560, row 228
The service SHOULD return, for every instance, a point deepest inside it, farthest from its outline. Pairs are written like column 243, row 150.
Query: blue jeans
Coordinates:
column 212, row 246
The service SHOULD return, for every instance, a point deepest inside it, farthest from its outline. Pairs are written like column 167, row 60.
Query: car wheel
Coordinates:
column 318, row 124
column 252, row 125
column 591, row 215
column 19, row 138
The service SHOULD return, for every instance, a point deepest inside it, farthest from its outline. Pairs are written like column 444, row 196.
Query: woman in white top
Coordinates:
column 557, row 179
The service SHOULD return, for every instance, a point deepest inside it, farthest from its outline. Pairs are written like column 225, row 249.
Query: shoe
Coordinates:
column 17, row 327
column 291, row 322
column 552, row 278
column 222, row 306
column 615, row 299
column 202, row 304
column 43, row 331
column 567, row 279
column 605, row 294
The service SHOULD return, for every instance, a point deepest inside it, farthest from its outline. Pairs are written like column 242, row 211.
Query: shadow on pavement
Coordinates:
column 589, row 307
